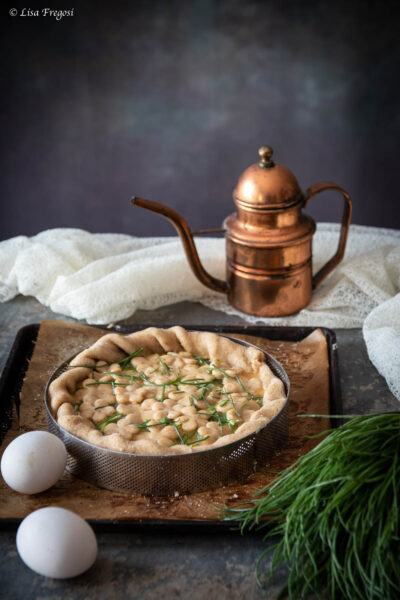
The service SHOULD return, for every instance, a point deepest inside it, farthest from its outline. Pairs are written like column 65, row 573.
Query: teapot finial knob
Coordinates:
column 265, row 153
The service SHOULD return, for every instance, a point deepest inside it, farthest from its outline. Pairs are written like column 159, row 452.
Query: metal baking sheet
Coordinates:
column 21, row 352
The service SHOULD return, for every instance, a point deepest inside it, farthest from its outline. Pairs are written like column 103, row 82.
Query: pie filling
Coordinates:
column 177, row 398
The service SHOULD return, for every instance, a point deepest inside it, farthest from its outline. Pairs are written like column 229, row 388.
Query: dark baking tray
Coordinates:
column 22, row 350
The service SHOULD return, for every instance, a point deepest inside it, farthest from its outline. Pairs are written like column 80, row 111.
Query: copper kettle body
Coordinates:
column 268, row 241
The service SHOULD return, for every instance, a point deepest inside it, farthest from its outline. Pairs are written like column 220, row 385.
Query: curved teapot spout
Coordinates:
column 187, row 240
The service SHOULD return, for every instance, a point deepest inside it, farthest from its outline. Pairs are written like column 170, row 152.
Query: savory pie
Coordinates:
column 165, row 391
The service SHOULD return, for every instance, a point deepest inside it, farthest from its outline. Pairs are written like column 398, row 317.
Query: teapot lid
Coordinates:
column 267, row 185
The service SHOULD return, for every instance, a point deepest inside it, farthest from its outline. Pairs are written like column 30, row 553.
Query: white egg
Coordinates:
column 33, row 462
column 56, row 542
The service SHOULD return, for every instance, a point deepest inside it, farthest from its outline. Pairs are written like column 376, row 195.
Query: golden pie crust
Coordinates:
column 182, row 391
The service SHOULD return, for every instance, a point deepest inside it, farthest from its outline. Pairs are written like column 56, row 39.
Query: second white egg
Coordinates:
column 56, row 542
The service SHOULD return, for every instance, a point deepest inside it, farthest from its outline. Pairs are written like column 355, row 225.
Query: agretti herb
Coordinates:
column 220, row 418
column 212, row 367
column 164, row 366
column 337, row 512
column 202, row 360
column 113, row 405
column 125, row 362
column 250, row 396
column 114, row 418
column 185, row 439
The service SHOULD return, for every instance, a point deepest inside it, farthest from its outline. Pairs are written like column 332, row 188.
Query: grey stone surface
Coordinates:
column 145, row 566
column 149, row 564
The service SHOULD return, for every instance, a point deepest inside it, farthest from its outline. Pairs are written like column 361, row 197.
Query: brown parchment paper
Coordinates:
column 306, row 363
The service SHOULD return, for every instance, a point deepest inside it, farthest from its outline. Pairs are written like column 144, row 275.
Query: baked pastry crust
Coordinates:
column 243, row 393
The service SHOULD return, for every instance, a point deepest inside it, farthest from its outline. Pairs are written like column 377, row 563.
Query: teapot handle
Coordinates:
column 346, row 218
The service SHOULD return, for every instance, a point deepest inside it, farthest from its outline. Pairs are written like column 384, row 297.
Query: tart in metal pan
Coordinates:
column 193, row 462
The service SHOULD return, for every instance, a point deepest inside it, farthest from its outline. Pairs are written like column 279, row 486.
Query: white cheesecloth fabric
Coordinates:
column 104, row 278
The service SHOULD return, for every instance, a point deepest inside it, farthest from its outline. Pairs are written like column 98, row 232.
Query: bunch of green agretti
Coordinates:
column 337, row 514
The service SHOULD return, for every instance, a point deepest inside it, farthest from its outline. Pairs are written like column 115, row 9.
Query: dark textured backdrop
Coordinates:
column 170, row 100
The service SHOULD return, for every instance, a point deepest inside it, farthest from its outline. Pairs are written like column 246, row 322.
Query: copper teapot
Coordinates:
column 268, row 241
